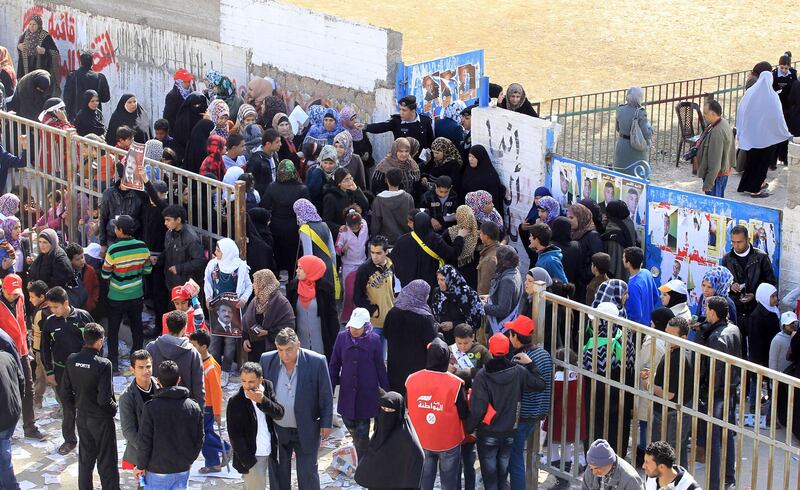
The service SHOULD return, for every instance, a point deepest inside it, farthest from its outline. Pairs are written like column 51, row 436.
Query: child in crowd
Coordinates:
column 441, row 203
column 108, row 162
column 213, row 444
column 780, row 346
column 601, row 264
column 565, row 381
column 467, row 357
column 88, row 285
column 53, row 217
column 351, row 245
column 36, row 292
column 6, row 250
column 234, row 152
column 184, row 298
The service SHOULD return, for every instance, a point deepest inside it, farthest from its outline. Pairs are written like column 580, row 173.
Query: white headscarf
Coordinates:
column 230, row 261
column 759, row 118
column 763, row 293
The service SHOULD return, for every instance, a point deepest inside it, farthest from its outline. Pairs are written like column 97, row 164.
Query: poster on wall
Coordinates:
column 689, row 233
column 517, row 145
column 439, row 82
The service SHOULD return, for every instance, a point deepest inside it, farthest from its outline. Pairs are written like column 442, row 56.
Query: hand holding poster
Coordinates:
column 134, row 161
column 226, row 317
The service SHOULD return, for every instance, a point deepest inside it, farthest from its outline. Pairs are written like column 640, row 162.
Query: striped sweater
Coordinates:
column 126, row 262
column 537, row 403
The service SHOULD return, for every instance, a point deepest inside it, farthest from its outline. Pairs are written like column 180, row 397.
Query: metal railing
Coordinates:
column 589, row 120
column 609, row 403
column 62, row 185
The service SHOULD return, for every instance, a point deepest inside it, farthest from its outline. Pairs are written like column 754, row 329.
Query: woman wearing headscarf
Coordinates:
column 394, row 455
column 327, row 129
column 483, row 207
column 619, row 235
column 9, row 205
column 530, row 220
column 400, row 156
column 258, row 90
column 760, row 129
column 226, row 273
column 571, row 256
column 674, row 295
column 288, row 150
column 12, row 229
column 53, row 115
column 343, row 142
column 175, row 98
column 419, row 254
column 219, row 112
column 129, row 113
column 515, row 100
column 197, row 147
column 454, row 302
column 316, row 239
column 245, row 116
column 467, row 264
column 565, row 290
column 319, row 176
column 449, row 125
column 267, row 314
column 52, row 264
column 408, row 328
column 259, row 241
column 38, row 51
column 548, row 210
column 189, row 114
column 505, row 291
column 361, row 144
column 624, row 153
column 589, row 242
column 597, row 214
column 445, row 160
column 764, row 324
column 312, row 298
column 280, row 198
column 226, row 92
column 89, row 119
column 341, row 196
column 717, row 281
column 213, row 166
column 8, row 76
column 480, row 175
column 32, row 91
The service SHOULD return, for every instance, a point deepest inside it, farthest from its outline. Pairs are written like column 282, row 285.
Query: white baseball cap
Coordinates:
column 674, row 285
column 358, row 318
column 788, row 317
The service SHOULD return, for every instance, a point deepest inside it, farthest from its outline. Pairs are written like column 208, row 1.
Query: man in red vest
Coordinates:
column 437, row 407
column 12, row 321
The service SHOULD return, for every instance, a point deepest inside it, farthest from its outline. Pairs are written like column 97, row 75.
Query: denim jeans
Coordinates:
column 132, row 309
column 223, row 345
column 448, row 463
column 467, row 466
column 359, row 431
column 7, row 478
column 212, row 442
column 494, row 454
column 168, row 481
column 516, row 464
column 719, row 186
column 716, row 446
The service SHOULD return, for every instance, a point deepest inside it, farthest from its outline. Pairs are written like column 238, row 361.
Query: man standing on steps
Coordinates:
column 87, row 387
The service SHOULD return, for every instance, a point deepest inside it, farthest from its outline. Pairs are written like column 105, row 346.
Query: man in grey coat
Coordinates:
column 717, row 153
column 607, row 470
column 132, row 400
column 176, row 347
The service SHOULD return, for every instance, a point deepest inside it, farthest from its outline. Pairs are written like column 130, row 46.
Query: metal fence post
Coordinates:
column 240, row 218
column 70, row 200
column 538, row 305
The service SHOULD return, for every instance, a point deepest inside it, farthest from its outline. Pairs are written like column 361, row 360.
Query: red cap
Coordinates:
column 522, row 325
column 499, row 345
column 180, row 294
column 183, row 75
column 12, row 283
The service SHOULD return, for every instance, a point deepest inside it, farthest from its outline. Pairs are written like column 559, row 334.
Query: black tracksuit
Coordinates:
column 170, row 432
column 87, row 387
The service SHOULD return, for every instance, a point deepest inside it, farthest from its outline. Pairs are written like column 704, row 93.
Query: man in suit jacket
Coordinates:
column 303, row 388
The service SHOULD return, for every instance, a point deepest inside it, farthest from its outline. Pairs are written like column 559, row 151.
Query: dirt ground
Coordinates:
column 560, row 48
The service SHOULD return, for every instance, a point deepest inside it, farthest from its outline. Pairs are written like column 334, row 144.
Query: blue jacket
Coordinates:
column 8, row 161
column 550, row 260
column 313, row 403
column 643, row 297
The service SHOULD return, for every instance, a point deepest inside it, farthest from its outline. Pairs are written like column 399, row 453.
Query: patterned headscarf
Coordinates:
column 286, row 171
column 8, row 226
column 612, row 291
column 459, row 292
column 213, row 164
column 7, row 65
column 346, row 118
column 447, row 147
column 720, row 279
column 32, row 40
column 264, row 286
column 318, row 131
column 305, row 211
column 315, row 114
column 453, row 110
column 214, row 77
column 583, row 217
column 414, row 298
column 183, row 91
column 244, row 111
column 277, row 119
column 552, row 207
column 329, row 153
column 216, row 109
column 225, row 88
column 477, row 200
column 465, row 219
column 9, row 204
column 345, row 139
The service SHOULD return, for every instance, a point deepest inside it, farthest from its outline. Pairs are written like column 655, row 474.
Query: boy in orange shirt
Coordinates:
column 212, row 379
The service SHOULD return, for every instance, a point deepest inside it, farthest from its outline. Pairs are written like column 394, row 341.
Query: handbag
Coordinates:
column 638, row 141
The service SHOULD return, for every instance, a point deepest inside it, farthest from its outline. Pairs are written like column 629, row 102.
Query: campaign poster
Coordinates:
column 690, row 233
column 226, row 318
column 437, row 83
column 566, row 185
column 134, row 161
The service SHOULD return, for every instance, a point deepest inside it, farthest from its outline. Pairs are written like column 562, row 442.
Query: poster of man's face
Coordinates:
column 587, row 189
column 226, row 319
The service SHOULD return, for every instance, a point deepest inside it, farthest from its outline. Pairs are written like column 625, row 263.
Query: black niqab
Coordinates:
column 32, row 91
column 618, row 213
column 483, row 177
column 197, row 148
column 190, row 113
column 89, row 121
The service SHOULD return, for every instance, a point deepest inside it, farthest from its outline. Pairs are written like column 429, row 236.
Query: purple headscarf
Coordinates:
column 552, row 207
column 414, row 298
column 345, row 117
column 9, row 204
column 8, row 225
column 305, row 211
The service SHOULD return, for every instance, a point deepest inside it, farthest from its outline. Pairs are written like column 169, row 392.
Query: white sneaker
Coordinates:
column 225, row 378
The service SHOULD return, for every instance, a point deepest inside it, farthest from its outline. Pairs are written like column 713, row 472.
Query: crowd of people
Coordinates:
column 400, row 289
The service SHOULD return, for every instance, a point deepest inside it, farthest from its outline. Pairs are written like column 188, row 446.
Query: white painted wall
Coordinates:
column 790, row 249
column 303, row 42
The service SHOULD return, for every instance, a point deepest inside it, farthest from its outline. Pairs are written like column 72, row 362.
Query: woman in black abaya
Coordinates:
column 129, row 113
